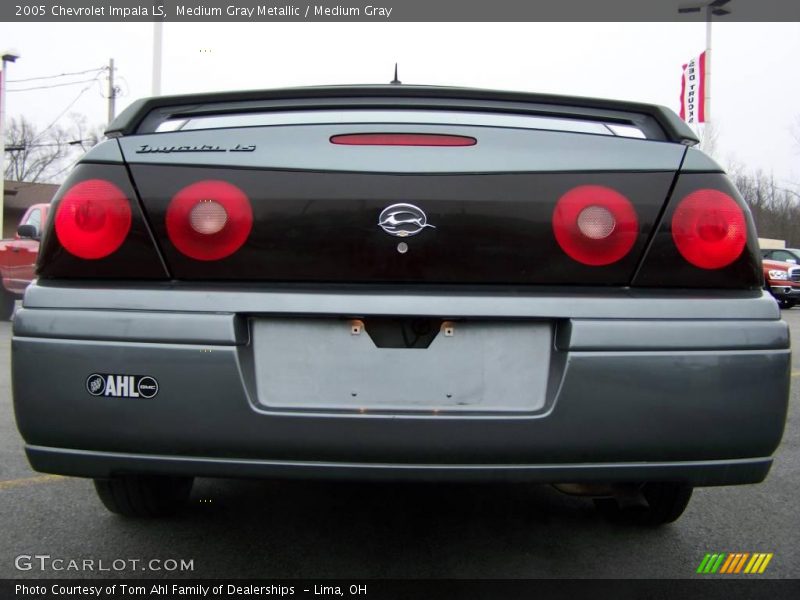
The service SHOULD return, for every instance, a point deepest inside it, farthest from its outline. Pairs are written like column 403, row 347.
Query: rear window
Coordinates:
column 422, row 117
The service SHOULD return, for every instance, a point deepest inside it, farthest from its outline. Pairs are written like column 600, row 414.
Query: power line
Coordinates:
column 47, row 87
column 22, row 147
column 126, row 90
column 63, row 112
column 55, row 76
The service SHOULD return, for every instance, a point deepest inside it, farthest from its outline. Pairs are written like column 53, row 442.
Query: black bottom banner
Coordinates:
column 378, row 589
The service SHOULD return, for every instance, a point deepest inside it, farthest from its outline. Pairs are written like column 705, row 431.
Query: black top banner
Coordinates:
column 398, row 10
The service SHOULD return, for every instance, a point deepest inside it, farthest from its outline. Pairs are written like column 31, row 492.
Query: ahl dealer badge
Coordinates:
column 121, row 386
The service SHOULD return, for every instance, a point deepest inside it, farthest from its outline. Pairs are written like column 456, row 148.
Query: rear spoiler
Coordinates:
column 656, row 122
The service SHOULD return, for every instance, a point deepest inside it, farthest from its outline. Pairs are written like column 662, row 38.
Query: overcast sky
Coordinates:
column 755, row 77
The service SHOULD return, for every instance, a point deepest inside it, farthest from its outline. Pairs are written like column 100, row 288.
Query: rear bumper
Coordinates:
column 14, row 287
column 637, row 388
column 784, row 290
column 84, row 463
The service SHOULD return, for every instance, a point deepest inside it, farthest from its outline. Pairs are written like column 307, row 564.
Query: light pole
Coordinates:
column 158, row 36
column 712, row 9
column 8, row 57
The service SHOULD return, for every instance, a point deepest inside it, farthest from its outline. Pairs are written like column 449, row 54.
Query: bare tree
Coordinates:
column 709, row 140
column 34, row 155
column 775, row 209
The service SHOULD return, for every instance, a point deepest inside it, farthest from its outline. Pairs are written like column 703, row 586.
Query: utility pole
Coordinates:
column 707, row 99
column 158, row 34
column 2, row 145
column 112, row 92
column 7, row 57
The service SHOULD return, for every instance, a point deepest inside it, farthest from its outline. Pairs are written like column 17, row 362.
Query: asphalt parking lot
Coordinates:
column 260, row 529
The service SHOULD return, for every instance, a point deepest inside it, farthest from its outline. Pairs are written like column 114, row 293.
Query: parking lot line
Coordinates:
column 12, row 483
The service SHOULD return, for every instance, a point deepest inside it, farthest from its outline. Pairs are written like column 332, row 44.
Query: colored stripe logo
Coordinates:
column 735, row 563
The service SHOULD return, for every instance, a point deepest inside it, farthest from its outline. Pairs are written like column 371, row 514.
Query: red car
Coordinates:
column 18, row 257
column 782, row 279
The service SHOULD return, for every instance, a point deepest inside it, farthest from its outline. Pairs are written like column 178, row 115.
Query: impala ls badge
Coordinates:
column 403, row 220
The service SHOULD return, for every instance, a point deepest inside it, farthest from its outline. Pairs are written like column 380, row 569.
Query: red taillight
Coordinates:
column 402, row 139
column 93, row 219
column 595, row 225
column 209, row 220
column 709, row 229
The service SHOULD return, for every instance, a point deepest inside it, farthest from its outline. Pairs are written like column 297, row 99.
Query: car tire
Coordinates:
column 663, row 503
column 786, row 304
column 144, row 495
column 7, row 302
